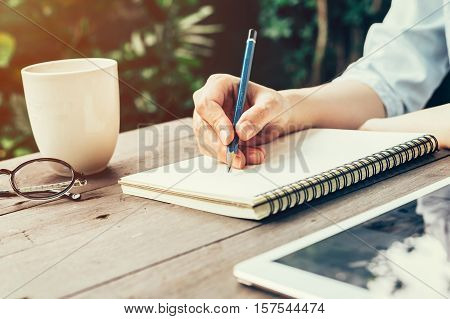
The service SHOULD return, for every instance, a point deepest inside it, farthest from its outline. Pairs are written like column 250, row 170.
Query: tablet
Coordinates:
column 398, row 250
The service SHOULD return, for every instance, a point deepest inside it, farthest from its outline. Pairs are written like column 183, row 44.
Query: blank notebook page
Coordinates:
column 289, row 159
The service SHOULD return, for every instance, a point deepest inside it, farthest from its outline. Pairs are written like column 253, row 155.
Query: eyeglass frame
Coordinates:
column 76, row 177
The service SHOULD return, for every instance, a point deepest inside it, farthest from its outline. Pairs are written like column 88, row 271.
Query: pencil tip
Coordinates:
column 230, row 158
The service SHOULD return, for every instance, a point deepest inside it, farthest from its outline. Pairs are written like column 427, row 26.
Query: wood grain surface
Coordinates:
column 114, row 246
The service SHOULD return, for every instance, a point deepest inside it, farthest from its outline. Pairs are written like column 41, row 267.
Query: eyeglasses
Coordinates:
column 43, row 179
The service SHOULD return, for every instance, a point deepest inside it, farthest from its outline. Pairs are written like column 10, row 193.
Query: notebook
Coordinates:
column 298, row 168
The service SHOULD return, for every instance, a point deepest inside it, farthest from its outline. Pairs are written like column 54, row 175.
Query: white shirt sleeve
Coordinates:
column 405, row 57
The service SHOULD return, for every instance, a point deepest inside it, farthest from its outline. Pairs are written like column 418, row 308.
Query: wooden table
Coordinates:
column 114, row 246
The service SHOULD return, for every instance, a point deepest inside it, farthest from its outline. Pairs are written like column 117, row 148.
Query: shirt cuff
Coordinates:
column 392, row 104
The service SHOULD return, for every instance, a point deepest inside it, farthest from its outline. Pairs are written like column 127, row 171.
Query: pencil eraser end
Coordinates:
column 252, row 34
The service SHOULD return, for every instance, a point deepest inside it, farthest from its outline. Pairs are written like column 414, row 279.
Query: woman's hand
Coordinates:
column 266, row 117
column 435, row 121
column 270, row 114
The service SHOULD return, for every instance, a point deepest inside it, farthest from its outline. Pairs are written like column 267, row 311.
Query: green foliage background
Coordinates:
column 293, row 25
column 159, row 44
column 167, row 48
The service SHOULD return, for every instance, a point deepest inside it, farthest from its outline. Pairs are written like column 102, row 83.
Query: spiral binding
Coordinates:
column 328, row 182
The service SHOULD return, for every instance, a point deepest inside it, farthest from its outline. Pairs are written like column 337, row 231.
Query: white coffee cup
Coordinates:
column 74, row 110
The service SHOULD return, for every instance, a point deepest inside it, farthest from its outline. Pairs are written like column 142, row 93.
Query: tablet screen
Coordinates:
column 402, row 253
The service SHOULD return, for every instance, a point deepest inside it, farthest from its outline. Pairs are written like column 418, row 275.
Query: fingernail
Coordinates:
column 253, row 157
column 224, row 136
column 263, row 151
column 248, row 130
column 239, row 161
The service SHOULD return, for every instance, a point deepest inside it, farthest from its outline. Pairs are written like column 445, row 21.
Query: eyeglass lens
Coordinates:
column 43, row 179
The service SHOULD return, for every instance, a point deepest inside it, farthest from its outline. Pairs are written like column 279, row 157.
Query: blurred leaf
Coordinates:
column 307, row 32
column 205, row 29
column 150, row 39
column 7, row 143
column 144, row 103
column 14, row 3
column 137, row 44
column 198, row 39
column 115, row 55
column 148, row 73
column 20, row 115
column 7, row 48
column 310, row 4
column 165, row 3
column 21, row 151
column 278, row 28
column 196, row 17
column 47, row 10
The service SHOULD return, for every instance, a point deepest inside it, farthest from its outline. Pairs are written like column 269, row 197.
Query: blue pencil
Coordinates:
column 232, row 149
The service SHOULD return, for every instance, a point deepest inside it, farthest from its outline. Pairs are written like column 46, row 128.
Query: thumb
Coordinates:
column 267, row 106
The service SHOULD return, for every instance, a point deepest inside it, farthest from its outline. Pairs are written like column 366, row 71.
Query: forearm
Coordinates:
column 434, row 121
column 341, row 104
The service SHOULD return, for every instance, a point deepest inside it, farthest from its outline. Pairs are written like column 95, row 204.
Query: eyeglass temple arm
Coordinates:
column 78, row 183
column 71, row 196
column 7, row 194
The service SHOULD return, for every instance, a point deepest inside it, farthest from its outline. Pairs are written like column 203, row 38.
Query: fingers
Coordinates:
column 254, row 155
column 213, row 114
column 240, row 160
column 214, row 105
column 267, row 106
column 267, row 134
column 209, row 143
column 210, row 102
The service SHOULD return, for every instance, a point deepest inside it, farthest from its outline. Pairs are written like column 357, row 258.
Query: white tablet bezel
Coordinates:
column 263, row 272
